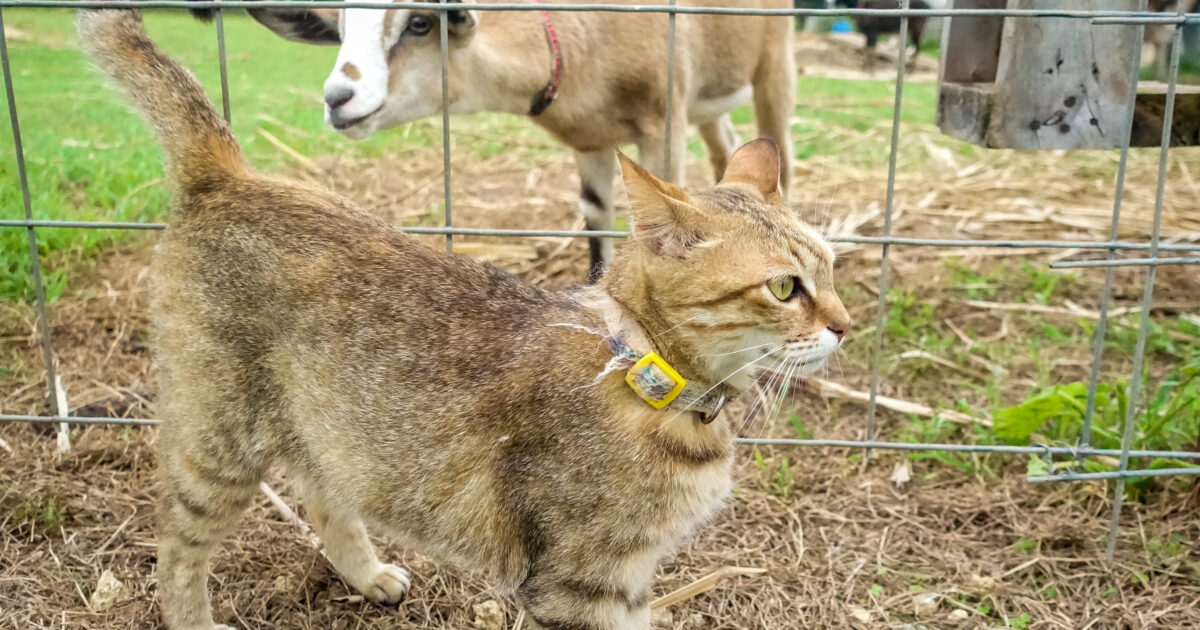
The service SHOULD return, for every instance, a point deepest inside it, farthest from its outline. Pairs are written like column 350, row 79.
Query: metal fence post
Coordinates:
column 35, row 260
column 1148, row 295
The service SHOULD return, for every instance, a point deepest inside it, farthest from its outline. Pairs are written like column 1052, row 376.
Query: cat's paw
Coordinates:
column 388, row 586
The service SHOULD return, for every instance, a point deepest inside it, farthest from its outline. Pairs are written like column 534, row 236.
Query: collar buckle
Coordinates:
column 706, row 417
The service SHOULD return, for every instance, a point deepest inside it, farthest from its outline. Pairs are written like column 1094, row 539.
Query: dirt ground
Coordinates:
column 844, row 56
column 842, row 544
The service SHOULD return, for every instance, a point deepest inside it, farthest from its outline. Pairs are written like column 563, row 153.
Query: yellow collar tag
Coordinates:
column 655, row 381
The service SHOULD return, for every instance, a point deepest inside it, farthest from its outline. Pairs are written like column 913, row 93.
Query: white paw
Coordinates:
column 388, row 586
column 222, row 626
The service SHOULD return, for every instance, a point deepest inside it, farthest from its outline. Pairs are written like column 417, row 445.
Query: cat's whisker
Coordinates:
column 838, row 358
column 763, row 393
column 820, row 181
column 723, row 354
column 749, row 415
column 688, row 320
column 777, row 372
column 727, row 377
column 784, row 386
column 770, row 390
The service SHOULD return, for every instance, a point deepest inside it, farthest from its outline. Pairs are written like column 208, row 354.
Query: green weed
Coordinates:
column 45, row 510
column 783, row 483
column 1169, row 420
column 1025, row 544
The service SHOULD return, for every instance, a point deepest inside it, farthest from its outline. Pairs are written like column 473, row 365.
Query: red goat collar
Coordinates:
column 550, row 92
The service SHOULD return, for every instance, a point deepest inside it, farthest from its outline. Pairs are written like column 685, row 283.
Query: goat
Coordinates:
column 594, row 80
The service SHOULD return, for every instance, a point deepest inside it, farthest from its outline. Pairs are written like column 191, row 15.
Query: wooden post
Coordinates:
column 1064, row 83
column 1050, row 83
column 975, row 42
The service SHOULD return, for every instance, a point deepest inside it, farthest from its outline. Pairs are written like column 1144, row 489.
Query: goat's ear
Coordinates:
column 462, row 22
column 665, row 221
column 756, row 164
column 307, row 26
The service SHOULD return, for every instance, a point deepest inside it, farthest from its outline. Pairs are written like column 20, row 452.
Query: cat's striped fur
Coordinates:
column 437, row 398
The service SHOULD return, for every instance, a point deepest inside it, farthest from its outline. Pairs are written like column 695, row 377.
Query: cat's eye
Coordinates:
column 785, row 288
column 419, row 25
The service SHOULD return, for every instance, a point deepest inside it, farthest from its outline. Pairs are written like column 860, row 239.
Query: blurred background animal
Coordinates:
column 1158, row 36
column 872, row 26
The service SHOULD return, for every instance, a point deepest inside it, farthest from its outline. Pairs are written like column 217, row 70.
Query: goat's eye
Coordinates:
column 419, row 25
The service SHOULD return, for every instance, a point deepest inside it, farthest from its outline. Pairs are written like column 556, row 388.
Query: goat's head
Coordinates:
column 388, row 71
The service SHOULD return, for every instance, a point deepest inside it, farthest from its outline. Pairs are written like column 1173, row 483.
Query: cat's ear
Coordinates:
column 664, row 218
column 756, row 164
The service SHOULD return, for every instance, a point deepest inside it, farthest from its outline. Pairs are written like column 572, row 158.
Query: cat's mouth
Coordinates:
column 800, row 364
column 794, row 369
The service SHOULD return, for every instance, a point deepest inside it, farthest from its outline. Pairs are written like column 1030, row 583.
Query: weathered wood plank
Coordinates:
column 971, row 48
column 1050, row 83
column 1063, row 83
column 964, row 110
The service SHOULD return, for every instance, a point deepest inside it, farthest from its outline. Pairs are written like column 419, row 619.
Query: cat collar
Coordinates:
column 661, row 386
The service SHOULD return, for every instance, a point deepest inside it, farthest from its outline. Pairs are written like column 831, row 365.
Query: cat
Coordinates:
column 559, row 443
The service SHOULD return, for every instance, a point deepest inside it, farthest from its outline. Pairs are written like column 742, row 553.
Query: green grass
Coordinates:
column 825, row 107
column 1050, row 410
column 1189, row 72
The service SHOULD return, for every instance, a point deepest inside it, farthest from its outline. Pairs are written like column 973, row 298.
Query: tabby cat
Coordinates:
column 560, row 443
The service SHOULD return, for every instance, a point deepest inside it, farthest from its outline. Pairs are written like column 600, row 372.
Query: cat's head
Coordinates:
column 729, row 282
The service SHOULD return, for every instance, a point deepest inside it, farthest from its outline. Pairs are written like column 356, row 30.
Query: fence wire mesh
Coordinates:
column 1079, row 451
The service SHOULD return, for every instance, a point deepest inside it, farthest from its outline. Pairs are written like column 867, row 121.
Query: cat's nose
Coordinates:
column 840, row 327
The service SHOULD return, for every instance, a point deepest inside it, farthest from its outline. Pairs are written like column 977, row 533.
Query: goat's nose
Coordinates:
column 337, row 97
column 840, row 328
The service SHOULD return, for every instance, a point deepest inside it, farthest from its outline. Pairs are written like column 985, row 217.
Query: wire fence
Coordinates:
column 1078, row 452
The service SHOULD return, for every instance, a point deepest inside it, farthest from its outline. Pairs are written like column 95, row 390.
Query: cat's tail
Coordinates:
column 200, row 148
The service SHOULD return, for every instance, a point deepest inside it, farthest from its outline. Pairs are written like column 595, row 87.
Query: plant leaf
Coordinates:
column 1017, row 423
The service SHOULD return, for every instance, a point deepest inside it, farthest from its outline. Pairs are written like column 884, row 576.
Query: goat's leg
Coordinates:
column 596, row 171
column 774, row 102
column 914, row 34
column 654, row 149
column 1162, row 54
column 869, row 51
column 721, row 139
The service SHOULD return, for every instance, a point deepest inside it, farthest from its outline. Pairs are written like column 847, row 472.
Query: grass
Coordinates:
column 1189, row 72
column 1027, row 394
